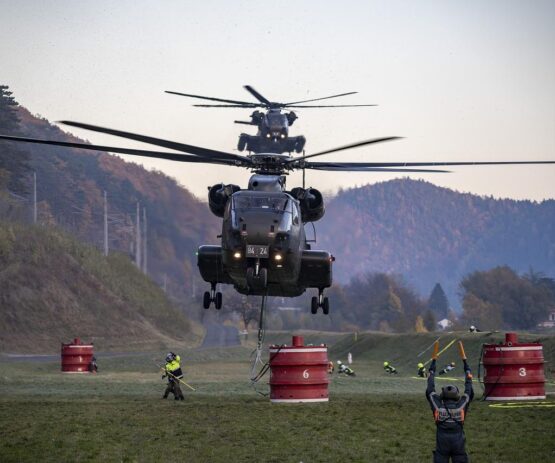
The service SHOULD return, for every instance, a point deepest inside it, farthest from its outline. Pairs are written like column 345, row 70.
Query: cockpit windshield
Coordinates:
column 273, row 203
column 279, row 209
column 276, row 120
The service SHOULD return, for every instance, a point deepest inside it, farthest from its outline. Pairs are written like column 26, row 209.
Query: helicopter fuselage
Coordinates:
column 264, row 248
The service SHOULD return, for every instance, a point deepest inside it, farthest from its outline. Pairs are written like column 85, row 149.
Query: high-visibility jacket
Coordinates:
column 174, row 367
column 449, row 415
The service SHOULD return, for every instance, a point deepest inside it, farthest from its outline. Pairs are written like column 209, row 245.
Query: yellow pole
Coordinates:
column 461, row 351
column 175, row 377
column 436, row 354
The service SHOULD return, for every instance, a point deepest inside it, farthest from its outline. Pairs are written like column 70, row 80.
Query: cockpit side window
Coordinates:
column 295, row 208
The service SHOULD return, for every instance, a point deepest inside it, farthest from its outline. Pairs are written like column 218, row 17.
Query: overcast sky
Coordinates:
column 461, row 80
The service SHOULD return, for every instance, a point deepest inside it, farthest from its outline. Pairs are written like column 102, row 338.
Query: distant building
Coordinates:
column 550, row 322
column 444, row 324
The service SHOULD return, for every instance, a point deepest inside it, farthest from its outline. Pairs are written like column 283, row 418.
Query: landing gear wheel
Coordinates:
column 259, row 281
column 314, row 305
column 242, row 142
column 206, row 300
column 326, row 306
column 218, row 301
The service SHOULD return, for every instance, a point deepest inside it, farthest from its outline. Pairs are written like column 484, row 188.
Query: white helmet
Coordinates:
column 339, row 362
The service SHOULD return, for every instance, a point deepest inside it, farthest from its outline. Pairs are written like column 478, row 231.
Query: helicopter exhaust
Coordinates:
column 218, row 195
column 311, row 202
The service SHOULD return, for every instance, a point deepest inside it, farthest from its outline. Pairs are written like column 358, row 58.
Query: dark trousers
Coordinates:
column 450, row 445
column 174, row 388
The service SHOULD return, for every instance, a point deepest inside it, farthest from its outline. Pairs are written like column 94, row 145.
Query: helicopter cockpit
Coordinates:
column 247, row 206
column 276, row 125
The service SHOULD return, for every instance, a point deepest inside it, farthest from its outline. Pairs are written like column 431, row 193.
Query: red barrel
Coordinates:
column 513, row 371
column 76, row 357
column 299, row 373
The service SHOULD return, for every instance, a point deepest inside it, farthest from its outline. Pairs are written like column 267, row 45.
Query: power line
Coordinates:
column 105, row 224
column 144, row 241
column 138, row 237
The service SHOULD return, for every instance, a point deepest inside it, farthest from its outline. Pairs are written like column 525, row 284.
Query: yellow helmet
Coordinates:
column 385, row 364
column 420, row 365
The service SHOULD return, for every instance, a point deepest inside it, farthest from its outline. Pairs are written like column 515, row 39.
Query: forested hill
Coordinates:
column 53, row 288
column 70, row 186
column 430, row 234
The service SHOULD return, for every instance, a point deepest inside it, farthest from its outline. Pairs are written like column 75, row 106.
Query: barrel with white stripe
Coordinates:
column 513, row 370
column 299, row 373
column 76, row 357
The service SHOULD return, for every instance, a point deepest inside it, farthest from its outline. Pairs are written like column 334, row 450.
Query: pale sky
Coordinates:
column 461, row 80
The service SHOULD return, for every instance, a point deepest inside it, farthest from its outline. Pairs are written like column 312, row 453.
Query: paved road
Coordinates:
column 220, row 336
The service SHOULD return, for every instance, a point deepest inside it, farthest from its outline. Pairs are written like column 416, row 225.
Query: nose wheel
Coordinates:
column 320, row 301
column 212, row 296
column 257, row 276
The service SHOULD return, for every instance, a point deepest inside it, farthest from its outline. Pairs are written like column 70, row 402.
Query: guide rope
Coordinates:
column 257, row 353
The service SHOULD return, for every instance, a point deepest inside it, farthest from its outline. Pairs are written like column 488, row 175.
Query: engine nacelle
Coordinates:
column 311, row 202
column 218, row 195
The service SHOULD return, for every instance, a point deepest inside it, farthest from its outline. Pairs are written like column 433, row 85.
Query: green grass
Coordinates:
column 118, row 415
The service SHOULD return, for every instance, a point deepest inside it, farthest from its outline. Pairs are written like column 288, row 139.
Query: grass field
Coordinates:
column 118, row 415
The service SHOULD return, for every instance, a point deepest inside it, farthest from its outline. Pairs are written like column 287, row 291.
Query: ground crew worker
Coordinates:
column 447, row 368
column 174, row 374
column 330, row 367
column 93, row 367
column 422, row 370
column 450, row 410
column 341, row 368
column 389, row 368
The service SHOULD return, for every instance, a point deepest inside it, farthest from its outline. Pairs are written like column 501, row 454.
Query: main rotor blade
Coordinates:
column 330, row 106
column 360, row 167
column 190, row 149
column 249, row 105
column 257, row 95
column 318, row 99
column 200, row 97
column 456, row 163
column 346, row 147
column 135, row 152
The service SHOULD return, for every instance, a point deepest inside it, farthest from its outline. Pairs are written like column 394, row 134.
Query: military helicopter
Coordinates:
column 273, row 125
column 263, row 249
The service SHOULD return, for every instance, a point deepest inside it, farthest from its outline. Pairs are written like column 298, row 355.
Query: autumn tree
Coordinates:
column 500, row 298
column 378, row 301
column 430, row 321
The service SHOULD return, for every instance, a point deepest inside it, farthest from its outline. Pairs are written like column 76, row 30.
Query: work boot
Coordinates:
column 182, row 398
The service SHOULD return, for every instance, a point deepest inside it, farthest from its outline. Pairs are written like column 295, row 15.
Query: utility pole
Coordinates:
column 34, row 197
column 144, row 241
column 138, row 237
column 105, row 224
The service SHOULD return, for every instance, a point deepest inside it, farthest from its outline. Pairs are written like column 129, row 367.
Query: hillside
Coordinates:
column 430, row 234
column 53, row 288
column 70, row 186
